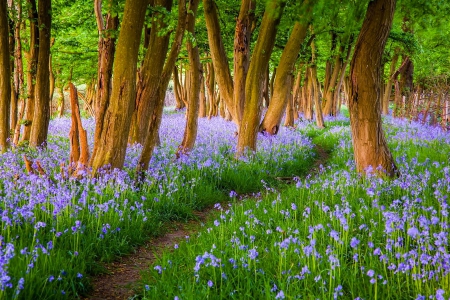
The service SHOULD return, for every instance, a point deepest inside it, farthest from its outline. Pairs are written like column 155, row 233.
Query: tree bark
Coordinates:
column 195, row 70
column 369, row 144
column 5, row 78
column 219, row 57
column 32, row 62
column 283, row 81
column 388, row 89
column 202, row 105
column 316, row 97
column 111, row 143
column 242, row 37
column 106, row 51
column 248, row 127
column 150, row 72
column 289, row 115
column 41, row 117
column 155, row 118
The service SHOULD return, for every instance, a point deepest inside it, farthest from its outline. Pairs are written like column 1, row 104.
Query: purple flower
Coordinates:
column 210, row 283
column 252, row 253
column 354, row 242
column 370, row 273
column 280, row 295
column 413, row 232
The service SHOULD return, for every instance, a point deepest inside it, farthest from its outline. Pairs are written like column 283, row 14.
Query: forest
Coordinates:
column 240, row 149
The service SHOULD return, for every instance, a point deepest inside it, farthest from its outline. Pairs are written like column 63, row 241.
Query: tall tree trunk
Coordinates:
column 211, row 87
column 32, row 62
column 18, row 71
column 289, row 116
column 195, row 74
column 155, row 118
column 283, row 80
column 106, row 51
column 52, row 83
column 41, row 118
column 331, row 88
column 202, row 105
column 12, row 45
column 316, row 96
column 219, row 56
column 150, row 72
column 248, row 128
column 242, row 38
column 110, row 145
column 307, row 94
column 388, row 89
column 61, row 102
column 5, row 78
column 368, row 138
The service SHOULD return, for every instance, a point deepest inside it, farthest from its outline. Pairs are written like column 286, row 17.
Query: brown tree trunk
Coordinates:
column 195, row 74
column 333, row 80
column 307, row 94
column 177, row 90
column 52, row 83
column 106, row 51
column 155, row 118
column 202, row 106
column 79, row 152
column 368, row 139
column 5, row 78
column 316, row 96
column 150, row 72
column 111, row 142
column 12, row 20
column 219, row 57
column 32, row 62
column 283, row 81
column 242, row 38
column 388, row 89
column 248, row 127
column 41, row 117
column 266, row 92
column 61, row 101
column 211, row 86
column 18, row 71
column 289, row 119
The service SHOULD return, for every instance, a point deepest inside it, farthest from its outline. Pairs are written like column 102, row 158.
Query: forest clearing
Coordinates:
column 276, row 149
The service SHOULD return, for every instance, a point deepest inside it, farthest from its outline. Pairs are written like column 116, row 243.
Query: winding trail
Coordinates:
column 121, row 281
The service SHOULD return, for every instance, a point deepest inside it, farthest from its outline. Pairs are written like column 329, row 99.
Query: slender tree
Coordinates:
column 248, row 127
column 283, row 82
column 368, row 139
column 195, row 70
column 110, row 145
column 41, row 117
column 5, row 78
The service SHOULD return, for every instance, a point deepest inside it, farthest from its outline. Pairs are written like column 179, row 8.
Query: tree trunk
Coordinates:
column 5, row 78
column 211, row 86
column 388, row 89
column 106, row 51
column 52, row 83
column 12, row 20
column 32, row 61
column 316, row 96
column 248, row 128
column 41, row 117
column 283, row 80
column 178, row 90
column 219, row 56
column 289, row 119
column 242, row 38
column 111, row 142
column 61, row 101
column 307, row 94
column 195, row 70
column 202, row 106
column 150, row 72
column 155, row 118
column 18, row 71
column 368, row 139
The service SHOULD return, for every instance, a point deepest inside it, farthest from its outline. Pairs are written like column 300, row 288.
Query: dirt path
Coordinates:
column 121, row 282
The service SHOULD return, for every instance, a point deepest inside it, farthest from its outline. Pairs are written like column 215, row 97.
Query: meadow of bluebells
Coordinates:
column 54, row 231
column 332, row 235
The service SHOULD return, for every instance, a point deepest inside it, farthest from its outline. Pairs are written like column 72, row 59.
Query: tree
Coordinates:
column 41, row 117
column 248, row 127
column 369, row 144
column 5, row 78
column 195, row 70
column 283, row 82
column 111, row 143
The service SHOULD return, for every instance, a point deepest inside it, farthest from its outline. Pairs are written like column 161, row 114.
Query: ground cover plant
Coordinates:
column 56, row 230
column 337, row 235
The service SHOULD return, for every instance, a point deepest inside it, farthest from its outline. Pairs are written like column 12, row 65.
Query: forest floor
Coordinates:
column 122, row 277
